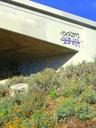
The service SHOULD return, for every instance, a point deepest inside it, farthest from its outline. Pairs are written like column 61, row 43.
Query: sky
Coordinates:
column 82, row 8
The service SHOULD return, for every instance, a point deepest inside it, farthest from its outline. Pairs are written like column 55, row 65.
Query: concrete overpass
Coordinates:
column 34, row 37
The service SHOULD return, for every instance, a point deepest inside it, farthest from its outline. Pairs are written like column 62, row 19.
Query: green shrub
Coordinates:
column 66, row 109
column 42, row 120
column 72, row 88
column 30, row 101
column 4, row 90
column 73, row 107
column 89, row 95
column 45, row 80
column 53, row 93
column 16, row 80
column 6, row 106
column 33, row 101
column 81, row 70
column 84, row 111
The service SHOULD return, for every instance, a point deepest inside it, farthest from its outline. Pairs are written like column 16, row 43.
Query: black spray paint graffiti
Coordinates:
column 70, row 38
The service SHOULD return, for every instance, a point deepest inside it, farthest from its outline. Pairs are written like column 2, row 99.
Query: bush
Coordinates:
column 42, row 120
column 53, row 93
column 6, row 106
column 37, row 120
column 84, row 111
column 21, row 106
column 81, row 70
column 73, row 107
column 35, row 100
column 72, row 89
column 66, row 109
column 16, row 80
column 89, row 95
column 4, row 90
column 45, row 80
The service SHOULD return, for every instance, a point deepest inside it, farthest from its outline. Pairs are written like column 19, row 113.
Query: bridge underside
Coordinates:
column 17, row 46
column 20, row 54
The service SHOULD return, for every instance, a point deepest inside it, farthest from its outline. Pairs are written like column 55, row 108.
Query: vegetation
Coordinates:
column 53, row 99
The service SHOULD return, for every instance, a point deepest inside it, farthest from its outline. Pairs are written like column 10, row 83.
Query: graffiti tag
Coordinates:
column 70, row 38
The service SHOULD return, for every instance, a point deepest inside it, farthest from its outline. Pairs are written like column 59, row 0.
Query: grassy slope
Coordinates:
column 54, row 100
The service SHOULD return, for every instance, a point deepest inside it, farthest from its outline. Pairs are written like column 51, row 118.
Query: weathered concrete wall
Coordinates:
column 88, row 50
